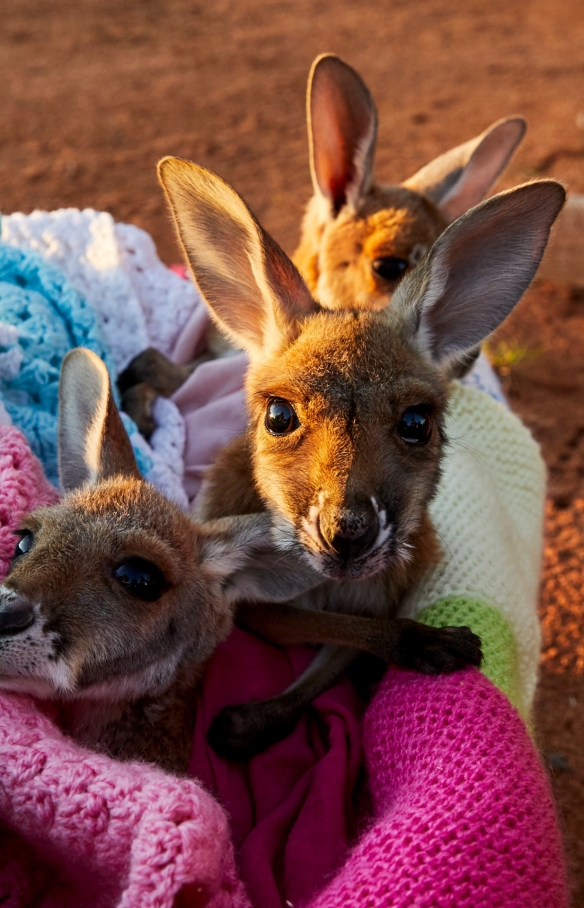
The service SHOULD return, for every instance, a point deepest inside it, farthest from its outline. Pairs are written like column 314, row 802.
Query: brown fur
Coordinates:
column 114, row 655
column 344, row 487
column 352, row 220
column 335, row 255
column 348, row 404
column 124, row 666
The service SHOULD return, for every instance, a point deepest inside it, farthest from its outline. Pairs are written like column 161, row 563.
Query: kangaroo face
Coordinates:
column 104, row 596
column 347, row 406
column 364, row 254
column 114, row 590
column 347, row 439
column 359, row 237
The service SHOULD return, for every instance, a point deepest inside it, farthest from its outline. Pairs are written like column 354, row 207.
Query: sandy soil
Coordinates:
column 94, row 91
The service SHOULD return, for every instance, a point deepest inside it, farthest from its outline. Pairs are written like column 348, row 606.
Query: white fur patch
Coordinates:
column 152, row 679
column 27, row 659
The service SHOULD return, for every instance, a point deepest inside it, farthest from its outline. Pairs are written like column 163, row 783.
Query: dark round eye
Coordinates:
column 415, row 426
column 281, row 418
column 141, row 578
column 24, row 544
column 390, row 268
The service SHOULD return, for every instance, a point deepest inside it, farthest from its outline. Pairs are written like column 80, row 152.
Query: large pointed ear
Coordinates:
column 462, row 177
column 253, row 290
column 477, row 271
column 93, row 444
column 241, row 553
column 342, row 128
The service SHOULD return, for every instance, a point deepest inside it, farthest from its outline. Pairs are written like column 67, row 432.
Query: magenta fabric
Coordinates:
column 461, row 810
column 291, row 807
column 465, row 815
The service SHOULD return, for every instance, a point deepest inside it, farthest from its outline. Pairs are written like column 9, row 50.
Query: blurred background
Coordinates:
column 93, row 92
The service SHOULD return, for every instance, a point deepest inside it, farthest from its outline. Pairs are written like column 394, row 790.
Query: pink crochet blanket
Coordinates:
column 458, row 809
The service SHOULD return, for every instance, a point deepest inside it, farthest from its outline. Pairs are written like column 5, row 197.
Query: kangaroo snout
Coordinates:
column 343, row 534
column 352, row 533
column 16, row 613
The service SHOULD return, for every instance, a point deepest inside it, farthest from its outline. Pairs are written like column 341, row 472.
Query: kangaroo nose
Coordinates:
column 355, row 536
column 15, row 616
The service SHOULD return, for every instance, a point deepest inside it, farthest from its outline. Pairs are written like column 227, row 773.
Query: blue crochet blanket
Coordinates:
column 41, row 318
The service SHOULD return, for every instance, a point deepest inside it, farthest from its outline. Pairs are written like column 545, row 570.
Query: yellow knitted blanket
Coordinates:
column 489, row 517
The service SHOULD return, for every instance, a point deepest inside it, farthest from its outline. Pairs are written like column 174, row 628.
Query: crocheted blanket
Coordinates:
column 76, row 278
column 458, row 809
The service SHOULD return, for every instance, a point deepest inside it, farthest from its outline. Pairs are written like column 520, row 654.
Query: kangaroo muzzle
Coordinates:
column 16, row 614
column 354, row 535
column 350, row 531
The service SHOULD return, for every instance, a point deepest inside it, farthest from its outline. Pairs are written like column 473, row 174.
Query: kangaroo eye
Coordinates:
column 415, row 426
column 281, row 417
column 390, row 268
column 141, row 579
column 24, row 544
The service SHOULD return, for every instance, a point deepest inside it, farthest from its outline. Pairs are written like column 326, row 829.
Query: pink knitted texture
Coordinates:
column 23, row 488
column 463, row 810
column 466, row 811
column 83, row 830
column 93, row 832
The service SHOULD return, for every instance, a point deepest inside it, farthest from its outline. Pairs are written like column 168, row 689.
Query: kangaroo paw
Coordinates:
column 155, row 369
column 138, row 402
column 240, row 732
column 437, row 650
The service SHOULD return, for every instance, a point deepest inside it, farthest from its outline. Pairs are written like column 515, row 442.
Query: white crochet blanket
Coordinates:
column 139, row 301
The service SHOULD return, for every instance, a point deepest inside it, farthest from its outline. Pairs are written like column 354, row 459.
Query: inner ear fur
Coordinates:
column 342, row 129
column 478, row 270
column 93, row 444
column 460, row 178
column 253, row 290
column 241, row 553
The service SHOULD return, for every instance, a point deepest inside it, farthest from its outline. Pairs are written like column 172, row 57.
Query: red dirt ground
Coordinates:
column 94, row 91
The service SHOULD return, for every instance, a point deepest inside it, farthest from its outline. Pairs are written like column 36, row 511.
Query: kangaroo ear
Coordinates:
column 477, row 271
column 93, row 444
column 342, row 128
column 240, row 551
column 253, row 290
column 462, row 177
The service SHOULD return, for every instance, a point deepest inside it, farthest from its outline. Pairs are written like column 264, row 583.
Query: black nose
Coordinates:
column 354, row 536
column 15, row 616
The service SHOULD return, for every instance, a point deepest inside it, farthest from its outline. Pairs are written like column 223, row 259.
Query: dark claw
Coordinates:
column 153, row 368
column 442, row 650
column 138, row 402
column 241, row 732
column 145, row 367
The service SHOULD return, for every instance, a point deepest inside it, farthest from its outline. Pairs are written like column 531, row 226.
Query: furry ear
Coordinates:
column 240, row 552
column 93, row 444
column 253, row 290
column 342, row 128
column 462, row 177
column 477, row 271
